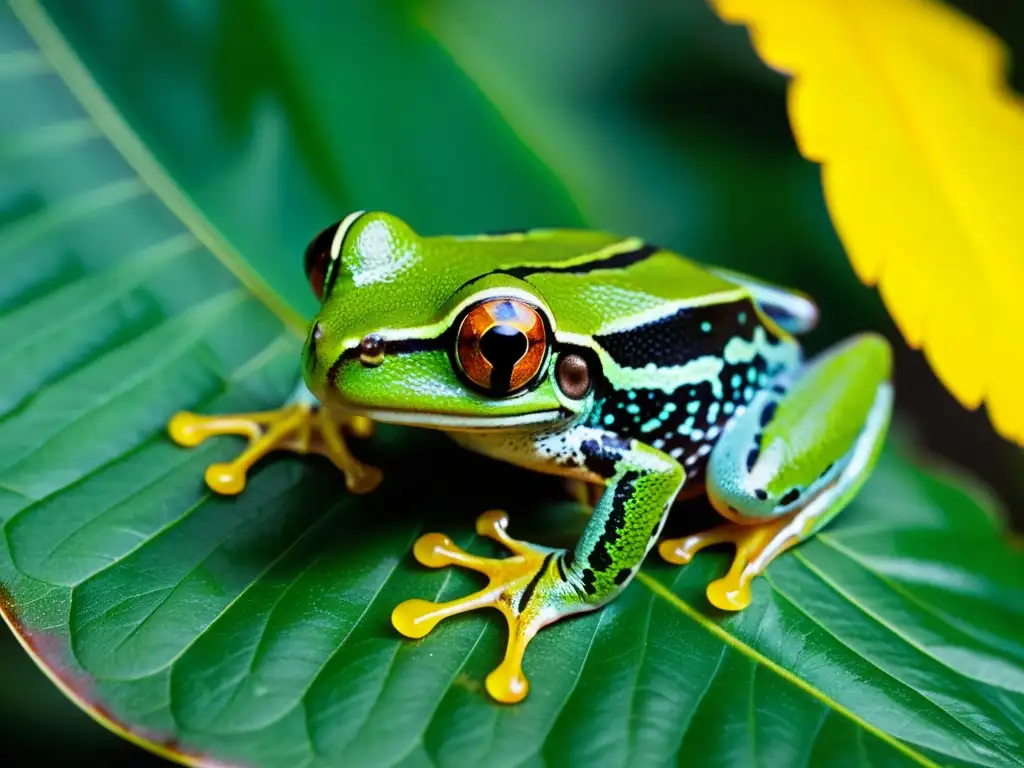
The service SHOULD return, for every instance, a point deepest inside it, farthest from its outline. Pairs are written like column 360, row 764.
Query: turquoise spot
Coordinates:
column 650, row 425
column 670, row 407
column 713, row 411
column 742, row 317
column 748, row 394
column 751, row 375
column 633, row 408
column 631, row 394
column 736, row 381
column 705, row 326
column 609, row 419
column 693, row 406
column 729, row 407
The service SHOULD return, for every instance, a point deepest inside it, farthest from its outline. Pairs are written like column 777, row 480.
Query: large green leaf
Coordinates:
column 255, row 630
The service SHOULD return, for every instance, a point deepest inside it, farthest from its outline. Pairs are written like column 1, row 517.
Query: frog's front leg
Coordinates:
column 538, row 585
column 300, row 426
column 791, row 462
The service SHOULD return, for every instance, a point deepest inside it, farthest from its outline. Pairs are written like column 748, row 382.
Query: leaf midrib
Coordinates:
column 55, row 49
column 662, row 591
column 796, row 604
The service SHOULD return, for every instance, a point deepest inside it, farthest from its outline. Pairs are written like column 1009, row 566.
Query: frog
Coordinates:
column 630, row 370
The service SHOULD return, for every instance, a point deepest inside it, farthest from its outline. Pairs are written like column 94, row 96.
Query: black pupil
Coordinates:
column 503, row 346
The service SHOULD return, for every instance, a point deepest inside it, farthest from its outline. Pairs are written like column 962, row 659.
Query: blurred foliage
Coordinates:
column 651, row 118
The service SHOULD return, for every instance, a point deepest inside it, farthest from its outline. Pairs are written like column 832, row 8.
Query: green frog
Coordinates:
column 638, row 373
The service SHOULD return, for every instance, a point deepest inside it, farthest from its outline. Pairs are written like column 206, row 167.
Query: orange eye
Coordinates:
column 501, row 345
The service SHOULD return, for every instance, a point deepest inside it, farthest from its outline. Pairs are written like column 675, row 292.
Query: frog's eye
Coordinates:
column 501, row 345
column 323, row 255
column 319, row 259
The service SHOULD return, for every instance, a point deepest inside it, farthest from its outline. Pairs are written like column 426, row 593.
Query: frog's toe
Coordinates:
column 299, row 428
column 524, row 587
column 225, row 478
column 756, row 546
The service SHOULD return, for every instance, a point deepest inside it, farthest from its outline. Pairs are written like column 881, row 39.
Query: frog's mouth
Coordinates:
column 462, row 423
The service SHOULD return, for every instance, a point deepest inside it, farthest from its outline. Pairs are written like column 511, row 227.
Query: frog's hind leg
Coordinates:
column 793, row 459
column 300, row 426
column 537, row 586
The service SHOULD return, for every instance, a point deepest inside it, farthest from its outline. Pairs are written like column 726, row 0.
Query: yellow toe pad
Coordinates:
column 298, row 428
column 756, row 546
column 512, row 581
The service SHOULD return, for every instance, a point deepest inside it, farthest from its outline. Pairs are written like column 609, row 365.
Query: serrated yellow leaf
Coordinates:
column 921, row 142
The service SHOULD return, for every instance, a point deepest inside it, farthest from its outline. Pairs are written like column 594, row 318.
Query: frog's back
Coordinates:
column 681, row 347
column 597, row 282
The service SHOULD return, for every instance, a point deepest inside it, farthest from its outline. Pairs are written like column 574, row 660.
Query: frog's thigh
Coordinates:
column 793, row 459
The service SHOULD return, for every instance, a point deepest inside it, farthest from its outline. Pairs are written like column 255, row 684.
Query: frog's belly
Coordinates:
column 556, row 452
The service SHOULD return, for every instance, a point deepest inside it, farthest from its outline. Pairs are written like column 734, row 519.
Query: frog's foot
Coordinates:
column 756, row 546
column 298, row 427
column 526, row 588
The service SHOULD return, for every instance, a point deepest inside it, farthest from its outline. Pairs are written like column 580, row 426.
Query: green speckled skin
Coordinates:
column 696, row 380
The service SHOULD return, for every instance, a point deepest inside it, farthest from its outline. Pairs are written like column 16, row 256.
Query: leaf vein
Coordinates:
column 918, row 694
column 787, row 675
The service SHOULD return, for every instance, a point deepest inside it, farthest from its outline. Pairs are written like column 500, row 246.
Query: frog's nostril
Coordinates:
column 318, row 332
column 371, row 350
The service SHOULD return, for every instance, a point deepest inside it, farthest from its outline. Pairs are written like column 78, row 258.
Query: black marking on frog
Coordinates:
column 752, row 458
column 601, row 455
column 588, row 581
column 559, row 565
column 524, row 598
column 678, row 338
column 600, row 558
column 616, row 261
column 792, row 495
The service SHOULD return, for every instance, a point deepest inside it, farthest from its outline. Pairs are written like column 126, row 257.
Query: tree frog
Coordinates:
column 628, row 367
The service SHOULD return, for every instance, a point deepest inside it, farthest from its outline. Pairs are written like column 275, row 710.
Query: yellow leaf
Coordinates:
column 904, row 104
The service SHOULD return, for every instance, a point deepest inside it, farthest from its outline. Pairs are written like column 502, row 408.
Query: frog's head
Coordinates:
column 428, row 332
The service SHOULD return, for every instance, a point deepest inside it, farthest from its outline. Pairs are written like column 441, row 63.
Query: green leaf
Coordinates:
column 254, row 630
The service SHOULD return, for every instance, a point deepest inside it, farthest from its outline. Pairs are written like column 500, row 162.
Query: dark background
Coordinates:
column 667, row 74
